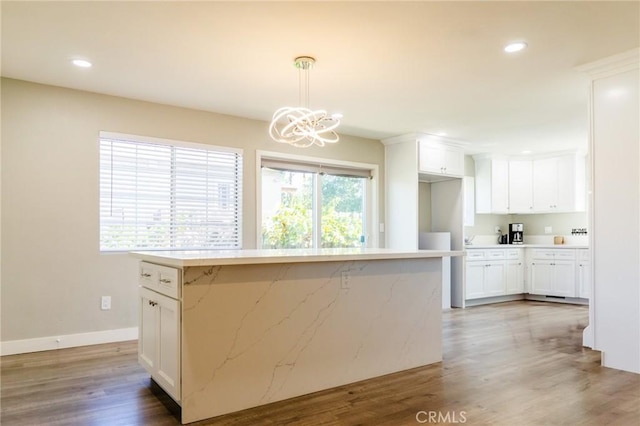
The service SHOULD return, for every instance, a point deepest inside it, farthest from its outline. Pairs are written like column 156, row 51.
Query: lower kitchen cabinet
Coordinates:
column 515, row 272
column 553, row 273
column 584, row 274
column 546, row 272
column 159, row 339
column 485, row 274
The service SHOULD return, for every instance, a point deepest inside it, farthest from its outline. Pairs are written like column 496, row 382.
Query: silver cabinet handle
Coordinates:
column 152, row 303
column 165, row 281
column 145, row 275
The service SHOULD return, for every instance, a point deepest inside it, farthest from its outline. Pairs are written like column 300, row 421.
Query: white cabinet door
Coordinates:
column 520, row 186
column 515, row 277
column 474, row 280
column 453, row 161
column 568, row 183
column 499, row 186
column 159, row 342
column 148, row 331
column 564, row 279
column 494, row 278
column 169, row 346
column 542, row 277
column 545, row 185
column 438, row 158
column 431, row 158
column 584, row 279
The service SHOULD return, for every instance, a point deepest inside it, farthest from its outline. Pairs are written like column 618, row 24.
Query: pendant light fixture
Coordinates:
column 301, row 126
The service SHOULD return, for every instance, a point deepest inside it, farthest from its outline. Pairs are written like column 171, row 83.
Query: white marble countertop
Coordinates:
column 507, row 246
column 246, row 257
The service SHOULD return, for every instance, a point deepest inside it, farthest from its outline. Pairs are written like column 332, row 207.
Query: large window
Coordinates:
column 163, row 195
column 306, row 205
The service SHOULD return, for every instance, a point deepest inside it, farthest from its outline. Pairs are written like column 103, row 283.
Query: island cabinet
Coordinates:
column 553, row 272
column 223, row 331
column 159, row 325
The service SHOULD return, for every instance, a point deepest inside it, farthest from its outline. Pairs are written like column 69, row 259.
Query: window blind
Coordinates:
column 328, row 169
column 163, row 196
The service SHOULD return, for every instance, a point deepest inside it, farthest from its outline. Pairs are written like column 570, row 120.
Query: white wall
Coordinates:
column 52, row 272
column 615, row 153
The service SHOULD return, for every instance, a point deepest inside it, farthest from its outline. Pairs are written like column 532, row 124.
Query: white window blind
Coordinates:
column 164, row 196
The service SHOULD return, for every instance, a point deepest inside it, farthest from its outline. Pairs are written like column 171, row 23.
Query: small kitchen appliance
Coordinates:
column 516, row 233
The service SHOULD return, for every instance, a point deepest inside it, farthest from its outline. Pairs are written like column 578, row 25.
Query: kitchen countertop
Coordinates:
column 507, row 246
column 247, row 257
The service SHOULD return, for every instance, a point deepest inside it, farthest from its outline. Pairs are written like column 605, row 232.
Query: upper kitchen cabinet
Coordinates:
column 551, row 184
column 520, row 186
column 439, row 159
column 559, row 184
column 492, row 185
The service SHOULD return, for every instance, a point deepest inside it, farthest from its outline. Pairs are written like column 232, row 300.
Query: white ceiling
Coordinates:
column 390, row 67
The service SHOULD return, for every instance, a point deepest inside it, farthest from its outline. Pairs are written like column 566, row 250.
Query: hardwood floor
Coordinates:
column 517, row 363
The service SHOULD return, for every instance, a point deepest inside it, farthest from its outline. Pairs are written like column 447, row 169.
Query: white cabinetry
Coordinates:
column 440, row 159
column 159, row 326
column 485, row 273
column 520, row 186
column 559, row 184
column 553, row 272
column 583, row 266
column 492, row 185
column 543, row 185
column 515, row 271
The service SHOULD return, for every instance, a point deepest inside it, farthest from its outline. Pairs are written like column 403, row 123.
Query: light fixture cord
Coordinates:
column 303, row 84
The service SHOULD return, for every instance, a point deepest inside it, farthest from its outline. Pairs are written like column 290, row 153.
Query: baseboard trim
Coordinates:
column 38, row 344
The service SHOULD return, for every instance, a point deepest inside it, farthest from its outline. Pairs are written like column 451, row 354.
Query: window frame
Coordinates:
column 178, row 144
column 371, row 194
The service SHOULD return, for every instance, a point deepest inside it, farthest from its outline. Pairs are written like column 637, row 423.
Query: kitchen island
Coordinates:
column 244, row 328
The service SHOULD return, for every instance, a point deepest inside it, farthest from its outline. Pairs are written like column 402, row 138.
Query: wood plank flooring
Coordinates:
column 516, row 363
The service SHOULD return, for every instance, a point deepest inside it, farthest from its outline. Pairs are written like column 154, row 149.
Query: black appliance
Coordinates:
column 516, row 233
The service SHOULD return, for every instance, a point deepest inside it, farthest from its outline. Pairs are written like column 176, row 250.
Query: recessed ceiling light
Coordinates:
column 81, row 63
column 515, row 47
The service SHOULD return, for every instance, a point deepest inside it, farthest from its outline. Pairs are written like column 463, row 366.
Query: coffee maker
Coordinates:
column 516, row 233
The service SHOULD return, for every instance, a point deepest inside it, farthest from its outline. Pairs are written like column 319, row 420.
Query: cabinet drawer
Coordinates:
column 475, row 255
column 566, row 254
column 513, row 254
column 543, row 254
column 495, row 254
column 163, row 279
column 583, row 255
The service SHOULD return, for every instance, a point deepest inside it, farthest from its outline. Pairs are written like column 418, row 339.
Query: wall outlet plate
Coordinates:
column 548, row 230
column 105, row 303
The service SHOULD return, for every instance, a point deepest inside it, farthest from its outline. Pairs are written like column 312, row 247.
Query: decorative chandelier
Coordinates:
column 301, row 126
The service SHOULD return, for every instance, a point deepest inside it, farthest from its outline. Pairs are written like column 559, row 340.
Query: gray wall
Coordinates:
column 53, row 274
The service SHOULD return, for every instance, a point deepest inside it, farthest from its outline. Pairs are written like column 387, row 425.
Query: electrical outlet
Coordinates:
column 345, row 280
column 105, row 303
column 548, row 230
